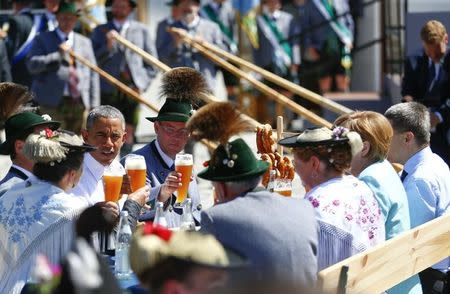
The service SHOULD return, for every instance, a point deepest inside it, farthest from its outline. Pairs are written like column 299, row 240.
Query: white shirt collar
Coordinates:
column 193, row 24
column 169, row 161
column 26, row 172
column 63, row 36
column 414, row 160
column 95, row 167
column 275, row 14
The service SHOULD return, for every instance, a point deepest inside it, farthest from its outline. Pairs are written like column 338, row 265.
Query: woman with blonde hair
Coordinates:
column 371, row 166
column 348, row 215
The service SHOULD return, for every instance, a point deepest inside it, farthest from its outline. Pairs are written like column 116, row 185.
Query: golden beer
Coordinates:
column 112, row 185
column 136, row 170
column 183, row 165
column 283, row 187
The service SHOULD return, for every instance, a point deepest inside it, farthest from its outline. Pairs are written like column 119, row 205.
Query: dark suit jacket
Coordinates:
column 415, row 80
column 5, row 70
column 282, row 246
column 13, row 177
column 50, row 73
column 19, row 28
column 416, row 84
column 112, row 61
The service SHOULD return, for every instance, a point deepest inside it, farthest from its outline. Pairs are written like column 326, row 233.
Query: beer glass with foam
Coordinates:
column 112, row 182
column 183, row 165
column 136, row 170
column 283, row 187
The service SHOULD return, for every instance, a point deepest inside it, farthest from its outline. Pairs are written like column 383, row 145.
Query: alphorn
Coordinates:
column 121, row 86
column 294, row 88
column 164, row 68
column 274, row 95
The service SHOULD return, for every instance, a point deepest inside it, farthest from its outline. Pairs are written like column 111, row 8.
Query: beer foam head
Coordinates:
column 114, row 171
column 184, row 159
column 135, row 163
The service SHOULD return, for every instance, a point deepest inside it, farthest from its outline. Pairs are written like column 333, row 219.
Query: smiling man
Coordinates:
column 180, row 86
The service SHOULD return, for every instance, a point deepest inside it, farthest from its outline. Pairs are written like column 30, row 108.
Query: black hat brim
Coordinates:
column 81, row 148
column 210, row 175
column 167, row 117
column 292, row 142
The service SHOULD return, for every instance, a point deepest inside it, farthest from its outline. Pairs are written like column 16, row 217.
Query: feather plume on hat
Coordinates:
column 183, row 83
column 13, row 97
column 218, row 122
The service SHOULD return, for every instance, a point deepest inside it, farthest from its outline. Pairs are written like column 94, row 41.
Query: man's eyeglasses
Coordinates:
column 175, row 132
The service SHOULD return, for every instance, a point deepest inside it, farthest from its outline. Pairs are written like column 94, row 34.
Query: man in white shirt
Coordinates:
column 17, row 129
column 425, row 177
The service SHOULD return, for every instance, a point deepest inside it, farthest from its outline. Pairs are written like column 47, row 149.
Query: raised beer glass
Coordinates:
column 136, row 170
column 183, row 165
column 112, row 182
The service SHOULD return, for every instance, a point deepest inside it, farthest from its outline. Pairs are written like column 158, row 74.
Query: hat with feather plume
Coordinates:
column 181, row 87
column 232, row 160
column 53, row 146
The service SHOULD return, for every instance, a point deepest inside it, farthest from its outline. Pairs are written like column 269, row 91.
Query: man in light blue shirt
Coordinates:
column 425, row 176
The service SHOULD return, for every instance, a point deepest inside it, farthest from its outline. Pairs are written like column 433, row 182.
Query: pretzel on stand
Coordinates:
column 284, row 169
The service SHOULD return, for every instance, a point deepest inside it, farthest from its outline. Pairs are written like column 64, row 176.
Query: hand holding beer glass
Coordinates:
column 183, row 165
column 136, row 170
column 112, row 182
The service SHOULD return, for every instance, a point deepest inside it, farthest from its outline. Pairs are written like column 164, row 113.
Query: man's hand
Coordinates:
column 110, row 39
column 140, row 196
column 110, row 209
column 170, row 185
column 177, row 39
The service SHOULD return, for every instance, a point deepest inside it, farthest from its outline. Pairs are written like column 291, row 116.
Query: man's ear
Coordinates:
column 366, row 148
column 18, row 146
column 124, row 137
column 409, row 137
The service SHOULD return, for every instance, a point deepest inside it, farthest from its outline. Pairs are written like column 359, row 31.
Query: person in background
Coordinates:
column 5, row 68
column 18, row 127
column 180, row 261
column 175, row 53
column 162, row 37
column 349, row 217
column 370, row 165
column 23, row 27
column 44, row 210
column 122, row 63
column 425, row 177
column 274, row 52
column 74, row 87
column 427, row 81
column 222, row 13
column 328, row 41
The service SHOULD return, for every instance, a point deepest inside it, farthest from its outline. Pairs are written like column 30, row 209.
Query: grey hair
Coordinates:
column 244, row 185
column 104, row 111
column 411, row 117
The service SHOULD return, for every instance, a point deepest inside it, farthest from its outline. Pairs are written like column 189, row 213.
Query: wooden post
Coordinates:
column 280, row 127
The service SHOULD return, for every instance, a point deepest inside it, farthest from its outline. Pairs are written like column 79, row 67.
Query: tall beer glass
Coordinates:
column 183, row 165
column 136, row 170
column 112, row 182
column 283, row 187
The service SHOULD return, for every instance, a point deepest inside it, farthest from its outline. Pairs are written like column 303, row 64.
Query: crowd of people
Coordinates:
column 65, row 130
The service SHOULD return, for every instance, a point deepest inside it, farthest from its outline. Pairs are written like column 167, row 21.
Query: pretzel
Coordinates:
column 267, row 138
column 289, row 168
column 266, row 176
column 259, row 142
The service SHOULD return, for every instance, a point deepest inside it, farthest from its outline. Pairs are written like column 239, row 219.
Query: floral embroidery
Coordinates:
column 17, row 219
column 315, row 203
column 336, row 202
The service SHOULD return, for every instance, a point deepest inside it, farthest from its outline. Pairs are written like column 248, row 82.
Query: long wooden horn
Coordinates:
column 164, row 68
column 294, row 88
column 274, row 95
column 121, row 86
